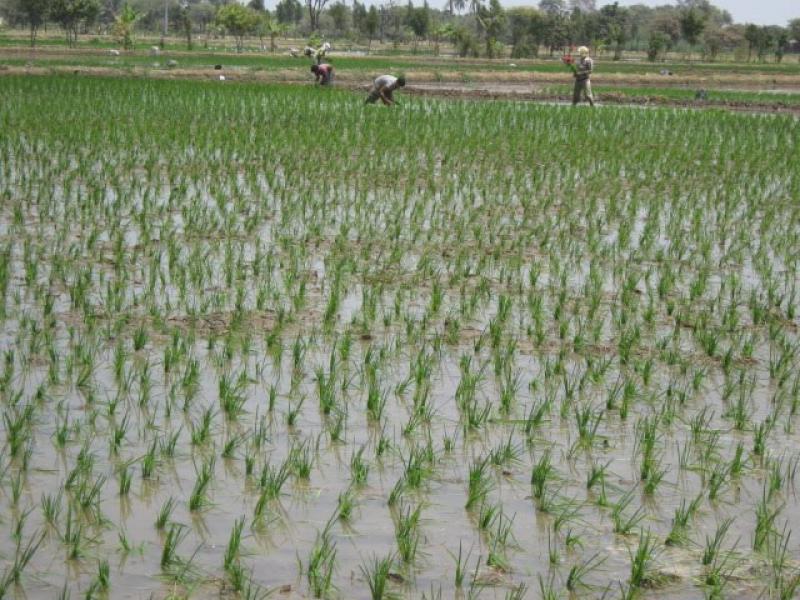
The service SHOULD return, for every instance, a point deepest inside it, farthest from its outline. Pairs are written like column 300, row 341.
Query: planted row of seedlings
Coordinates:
column 503, row 349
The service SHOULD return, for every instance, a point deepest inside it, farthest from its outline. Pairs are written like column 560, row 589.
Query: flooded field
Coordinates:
column 268, row 341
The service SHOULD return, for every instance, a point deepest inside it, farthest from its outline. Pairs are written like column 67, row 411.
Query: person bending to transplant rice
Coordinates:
column 383, row 87
column 582, row 72
column 323, row 74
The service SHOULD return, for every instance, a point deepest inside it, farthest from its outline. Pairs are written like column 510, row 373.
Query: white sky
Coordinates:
column 762, row 12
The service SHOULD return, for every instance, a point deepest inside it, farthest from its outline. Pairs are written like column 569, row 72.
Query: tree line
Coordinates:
column 474, row 27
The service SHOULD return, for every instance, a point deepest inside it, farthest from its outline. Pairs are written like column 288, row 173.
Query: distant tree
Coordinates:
column 185, row 19
column 669, row 24
column 340, row 15
column 711, row 15
column 70, row 14
column 759, row 39
column 289, row 12
column 780, row 40
column 272, row 29
column 202, row 14
column 257, row 5
column 615, row 26
column 359, row 14
column 371, row 24
column 552, row 7
column 419, row 21
column 692, row 25
column 492, row 20
column 719, row 39
column 585, row 6
column 658, row 43
column 465, row 42
column 33, row 12
column 442, row 32
column 238, row 21
column 794, row 30
column 526, row 26
column 123, row 26
column 315, row 8
column 556, row 31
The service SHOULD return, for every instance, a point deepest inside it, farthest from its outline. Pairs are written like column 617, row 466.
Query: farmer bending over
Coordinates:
column 582, row 72
column 383, row 87
column 323, row 74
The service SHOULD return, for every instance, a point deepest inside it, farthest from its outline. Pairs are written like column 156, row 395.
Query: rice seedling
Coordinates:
column 231, row 557
column 406, row 531
column 641, row 560
column 376, row 572
column 169, row 557
column 166, row 299
column 165, row 513
column 578, row 572
column 624, row 524
column 478, row 485
column 321, row 564
column 199, row 496
column 713, row 545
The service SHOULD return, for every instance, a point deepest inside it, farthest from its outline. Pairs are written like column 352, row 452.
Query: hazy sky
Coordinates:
column 763, row 12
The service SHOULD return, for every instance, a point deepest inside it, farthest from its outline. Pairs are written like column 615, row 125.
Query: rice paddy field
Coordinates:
column 268, row 341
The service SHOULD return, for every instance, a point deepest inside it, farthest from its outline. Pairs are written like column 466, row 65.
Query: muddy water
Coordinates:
column 274, row 548
column 569, row 528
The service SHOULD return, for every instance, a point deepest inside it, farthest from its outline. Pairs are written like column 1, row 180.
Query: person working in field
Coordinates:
column 582, row 70
column 317, row 54
column 383, row 87
column 323, row 74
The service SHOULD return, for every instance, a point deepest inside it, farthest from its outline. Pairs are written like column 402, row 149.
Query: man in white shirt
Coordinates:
column 383, row 87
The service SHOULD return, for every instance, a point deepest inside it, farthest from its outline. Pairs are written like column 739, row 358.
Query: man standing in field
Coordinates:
column 582, row 71
column 383, row 87
column 323, row 74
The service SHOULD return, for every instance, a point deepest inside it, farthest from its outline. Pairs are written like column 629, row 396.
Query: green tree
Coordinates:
column 781, row 38
column 289, row 12
column 122, row 30
column 33, row 12
column 340, row 15
column 668, row 23
column 692, row 25
column 465, row 41
column 492, row 20
column 185, row 19
column 238, row 21
column 442, row 32
column 70, row 14
column 553, row 7
column 359, row 15
column 315, row 8
column 526, row 27
column 272, row 29
column 615, row 27
column 371, row 24
column 419, row 20
column 759, row 39
column 794, row 30
column 657, row 45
